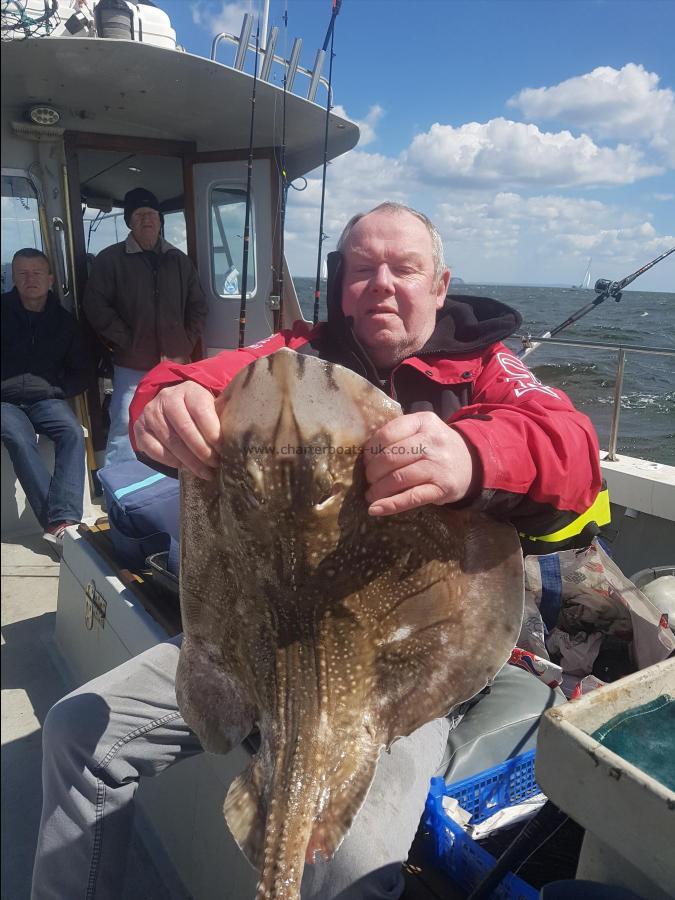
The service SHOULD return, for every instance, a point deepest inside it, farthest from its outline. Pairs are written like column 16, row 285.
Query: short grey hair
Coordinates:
column 31, row 253
column 391, row 206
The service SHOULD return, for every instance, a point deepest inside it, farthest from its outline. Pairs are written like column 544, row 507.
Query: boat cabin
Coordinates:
column 85, row 119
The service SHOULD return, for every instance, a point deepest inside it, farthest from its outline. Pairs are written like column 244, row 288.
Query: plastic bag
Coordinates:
column 582, row 597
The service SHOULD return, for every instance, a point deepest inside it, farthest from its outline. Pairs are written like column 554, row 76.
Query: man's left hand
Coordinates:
column 414, row 460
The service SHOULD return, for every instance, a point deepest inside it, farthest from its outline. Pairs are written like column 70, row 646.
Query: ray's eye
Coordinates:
column 254, row 477
column 249, row 483
column 324, row 485
column 328, row 497
column 323, row 480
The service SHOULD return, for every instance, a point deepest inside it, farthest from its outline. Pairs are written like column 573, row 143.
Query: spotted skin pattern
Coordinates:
column 332, row 631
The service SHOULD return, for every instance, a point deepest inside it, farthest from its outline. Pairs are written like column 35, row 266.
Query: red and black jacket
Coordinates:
column 539, row 456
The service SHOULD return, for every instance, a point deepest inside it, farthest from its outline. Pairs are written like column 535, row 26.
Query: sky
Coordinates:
column 536, row 134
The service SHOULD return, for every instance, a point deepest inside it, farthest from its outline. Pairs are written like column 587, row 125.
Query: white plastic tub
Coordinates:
column 629, row 816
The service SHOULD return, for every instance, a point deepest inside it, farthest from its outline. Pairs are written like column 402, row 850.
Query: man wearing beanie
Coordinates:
column 144, row 301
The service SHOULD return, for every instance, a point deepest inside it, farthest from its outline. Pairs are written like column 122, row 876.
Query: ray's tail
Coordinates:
column 271, row 808
column 290, row 821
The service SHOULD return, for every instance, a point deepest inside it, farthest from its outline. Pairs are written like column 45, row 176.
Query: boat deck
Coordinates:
column 32, row 681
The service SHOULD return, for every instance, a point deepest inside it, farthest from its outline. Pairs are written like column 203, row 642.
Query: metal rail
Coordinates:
column 244, row 45
column 621, row 351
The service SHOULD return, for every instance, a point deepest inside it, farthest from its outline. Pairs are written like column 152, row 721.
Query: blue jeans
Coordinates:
column 119, row 449
column 53, row 498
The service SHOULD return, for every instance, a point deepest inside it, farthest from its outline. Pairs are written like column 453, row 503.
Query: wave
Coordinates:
column 656, row 403
column 557, row 370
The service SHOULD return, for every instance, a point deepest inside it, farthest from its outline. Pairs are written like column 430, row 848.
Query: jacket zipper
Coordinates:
column 155, row 300
column 155, row 273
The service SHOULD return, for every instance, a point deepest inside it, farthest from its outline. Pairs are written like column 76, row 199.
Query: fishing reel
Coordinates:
column 608, row 288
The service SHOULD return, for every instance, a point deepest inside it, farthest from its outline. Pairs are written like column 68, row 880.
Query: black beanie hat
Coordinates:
column 137, row 198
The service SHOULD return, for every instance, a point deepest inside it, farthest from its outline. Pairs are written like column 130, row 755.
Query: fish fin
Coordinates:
column 333, row 823
column 452, row 624
column 246, row 811
column 211, row 700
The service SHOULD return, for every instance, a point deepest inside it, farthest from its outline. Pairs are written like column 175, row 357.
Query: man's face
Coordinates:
column 388, row 285
column 145, row 224
column 32, row 279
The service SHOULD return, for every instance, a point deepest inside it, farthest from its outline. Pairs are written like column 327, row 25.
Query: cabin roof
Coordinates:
column 139, row 90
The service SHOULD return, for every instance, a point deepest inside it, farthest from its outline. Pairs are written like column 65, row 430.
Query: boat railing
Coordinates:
column 266, row 57
column 621, row 351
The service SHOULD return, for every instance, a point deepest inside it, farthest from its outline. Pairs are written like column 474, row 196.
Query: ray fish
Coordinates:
column 331, row 631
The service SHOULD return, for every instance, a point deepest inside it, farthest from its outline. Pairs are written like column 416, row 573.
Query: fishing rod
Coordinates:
column 329, row 37
column 604, row 289
column 279, row 313
column 247, row 218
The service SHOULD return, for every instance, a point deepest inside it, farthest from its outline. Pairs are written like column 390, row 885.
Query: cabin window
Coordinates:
column 175, row 231
column 20, row 222
column 228, row 214
column 102, row 227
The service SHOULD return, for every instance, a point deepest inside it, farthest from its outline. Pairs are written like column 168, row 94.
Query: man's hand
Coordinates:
column 29, row 389
column 415, row 460
column 181, row 428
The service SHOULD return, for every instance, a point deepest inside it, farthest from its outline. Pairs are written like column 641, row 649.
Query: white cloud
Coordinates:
column 551, row 234
column 366, row 126
column 228, row 18
column 355, row 182
column 504, row 236
column 505, row 153
column 621, row 104
column 663, row 198
column 476, row 181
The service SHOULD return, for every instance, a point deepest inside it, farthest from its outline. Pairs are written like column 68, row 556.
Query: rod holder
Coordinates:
column 244, row 38
column 293, row 64
column 269, row 54
column 316, row 74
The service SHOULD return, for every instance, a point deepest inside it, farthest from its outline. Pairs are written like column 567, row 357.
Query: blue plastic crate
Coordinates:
column 452, row 850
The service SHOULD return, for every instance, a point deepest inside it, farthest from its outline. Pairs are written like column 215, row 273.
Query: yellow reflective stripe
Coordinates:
column 597, row 512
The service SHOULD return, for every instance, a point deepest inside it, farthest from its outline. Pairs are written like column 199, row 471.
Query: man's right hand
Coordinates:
column 181, row 428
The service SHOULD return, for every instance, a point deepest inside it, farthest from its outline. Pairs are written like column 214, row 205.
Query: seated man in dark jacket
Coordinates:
column 44, row 362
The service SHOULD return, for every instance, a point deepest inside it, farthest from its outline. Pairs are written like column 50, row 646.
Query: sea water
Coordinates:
column 640, row 319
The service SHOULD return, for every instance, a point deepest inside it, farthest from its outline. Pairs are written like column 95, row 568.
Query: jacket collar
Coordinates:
column 131, row 245
column 15, row 304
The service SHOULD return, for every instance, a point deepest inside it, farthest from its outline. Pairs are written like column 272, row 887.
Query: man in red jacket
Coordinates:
column 493, row 435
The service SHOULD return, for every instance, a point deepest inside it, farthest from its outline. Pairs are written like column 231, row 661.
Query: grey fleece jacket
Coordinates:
column 144, row 306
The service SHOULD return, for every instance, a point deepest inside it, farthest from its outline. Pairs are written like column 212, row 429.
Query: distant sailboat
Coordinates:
column 586, row 283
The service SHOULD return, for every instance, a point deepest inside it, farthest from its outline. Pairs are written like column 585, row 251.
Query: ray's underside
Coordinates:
column 332, row 631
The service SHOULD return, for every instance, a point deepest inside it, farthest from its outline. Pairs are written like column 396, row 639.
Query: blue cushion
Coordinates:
column 143, row 511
